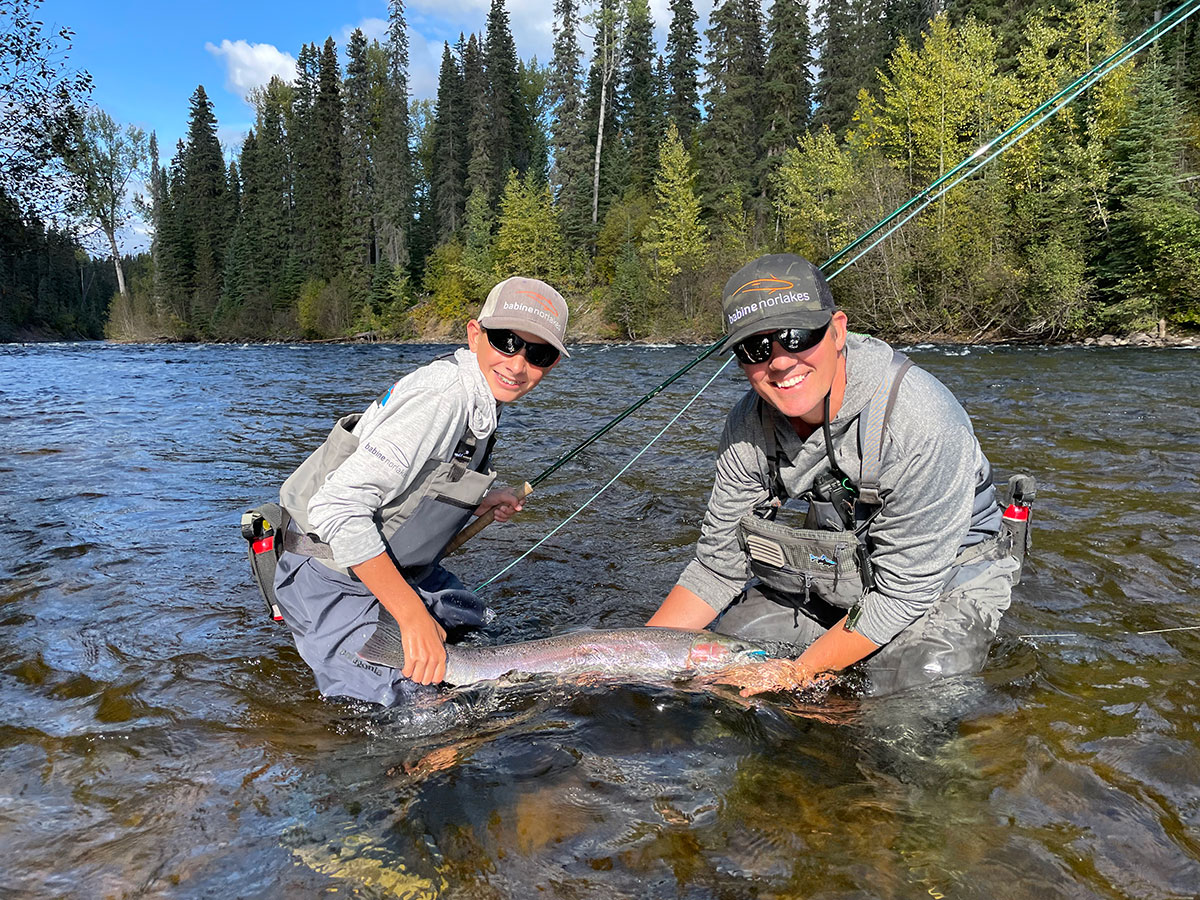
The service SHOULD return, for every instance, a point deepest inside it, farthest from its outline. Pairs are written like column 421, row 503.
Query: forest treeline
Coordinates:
column 639, row 182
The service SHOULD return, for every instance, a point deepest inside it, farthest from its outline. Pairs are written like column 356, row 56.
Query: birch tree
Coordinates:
column 106, row 157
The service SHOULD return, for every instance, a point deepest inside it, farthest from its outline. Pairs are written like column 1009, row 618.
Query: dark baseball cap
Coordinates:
column 780, row 290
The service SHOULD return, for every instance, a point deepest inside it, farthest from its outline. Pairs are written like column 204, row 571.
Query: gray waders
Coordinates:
column 329, row 612
column 807, row 579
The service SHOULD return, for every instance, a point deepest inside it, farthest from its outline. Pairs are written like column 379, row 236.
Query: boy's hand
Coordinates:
column 503, row 502
column 424, row 649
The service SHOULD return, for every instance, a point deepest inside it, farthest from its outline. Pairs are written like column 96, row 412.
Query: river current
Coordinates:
column 160, row 737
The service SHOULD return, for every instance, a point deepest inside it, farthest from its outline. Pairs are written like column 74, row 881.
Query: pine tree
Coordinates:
column 838, row 84
column 358, row 153
column 683, row 64
column 731, row 135
column 638, row 102
column 676, row 239
column 395, row 182
column 274, row 192
column 570, row 174
column 1152, row 260
column 506, row 127
column 302, row 138
column 327, row 176
column 204, row 208
column 788, row 85
column 528, row 240
column 448, row 163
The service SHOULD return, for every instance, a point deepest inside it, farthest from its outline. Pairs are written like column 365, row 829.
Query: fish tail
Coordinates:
column 385, row 647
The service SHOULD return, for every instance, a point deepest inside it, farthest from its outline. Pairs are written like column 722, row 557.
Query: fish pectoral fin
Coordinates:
column 385, row 647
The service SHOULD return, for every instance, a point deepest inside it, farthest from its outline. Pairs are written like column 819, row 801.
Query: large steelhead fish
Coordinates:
column 627, row 653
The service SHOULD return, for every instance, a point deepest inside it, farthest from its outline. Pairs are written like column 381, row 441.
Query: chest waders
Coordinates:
column 416, row 526
column 831, row 554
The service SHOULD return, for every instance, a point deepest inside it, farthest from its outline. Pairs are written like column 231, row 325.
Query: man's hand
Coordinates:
column 772, row 675
column 503, row 502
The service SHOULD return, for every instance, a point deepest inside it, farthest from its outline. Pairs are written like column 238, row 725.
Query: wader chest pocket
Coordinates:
column 449, row 498
column 800, row 561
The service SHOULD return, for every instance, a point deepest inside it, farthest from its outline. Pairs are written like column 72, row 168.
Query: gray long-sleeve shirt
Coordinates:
column 935, row 485
column 422, row 418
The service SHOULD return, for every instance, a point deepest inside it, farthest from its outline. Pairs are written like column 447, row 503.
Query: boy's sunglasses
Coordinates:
column 757, row 347
column 510, row 343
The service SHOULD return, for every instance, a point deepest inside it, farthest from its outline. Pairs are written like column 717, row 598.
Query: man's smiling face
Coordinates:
column 796, row 383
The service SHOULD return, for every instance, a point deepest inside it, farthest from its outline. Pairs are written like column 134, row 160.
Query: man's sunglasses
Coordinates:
column 757, row 347
column 510, row 343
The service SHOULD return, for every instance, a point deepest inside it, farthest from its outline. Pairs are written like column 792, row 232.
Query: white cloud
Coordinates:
column 373, row 30
column 251, row 65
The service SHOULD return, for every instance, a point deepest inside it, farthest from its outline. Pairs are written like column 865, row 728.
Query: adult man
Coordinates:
column 901, row 561
column 374, row 508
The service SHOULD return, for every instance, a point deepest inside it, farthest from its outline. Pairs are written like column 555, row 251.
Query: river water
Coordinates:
column 160, row 737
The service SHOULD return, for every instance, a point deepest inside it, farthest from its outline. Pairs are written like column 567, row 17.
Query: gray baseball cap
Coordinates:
column 781, row 290
column 529, row 305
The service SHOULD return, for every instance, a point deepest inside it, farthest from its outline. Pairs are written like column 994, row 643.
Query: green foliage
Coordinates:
column 624, row 223
column 676, row 240
column 630, row 302
column 326, row 308
column 345, row 199
column 529, row 241
column 451, row 297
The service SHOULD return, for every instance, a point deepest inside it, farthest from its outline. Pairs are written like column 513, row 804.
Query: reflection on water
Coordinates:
column 160, row 737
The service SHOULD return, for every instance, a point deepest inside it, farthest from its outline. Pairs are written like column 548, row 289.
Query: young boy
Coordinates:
column 374, row 508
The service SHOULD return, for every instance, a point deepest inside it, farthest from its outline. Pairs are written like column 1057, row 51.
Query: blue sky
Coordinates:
column 147, row 58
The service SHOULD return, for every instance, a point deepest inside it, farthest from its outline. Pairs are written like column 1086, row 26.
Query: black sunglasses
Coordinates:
column 510, row 343
column 757, row 347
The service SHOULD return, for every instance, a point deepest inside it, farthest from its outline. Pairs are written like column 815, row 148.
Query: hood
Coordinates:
column 482, row 416
column 867, row 361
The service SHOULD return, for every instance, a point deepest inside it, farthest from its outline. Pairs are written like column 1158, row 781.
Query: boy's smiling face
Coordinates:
column 509, row 377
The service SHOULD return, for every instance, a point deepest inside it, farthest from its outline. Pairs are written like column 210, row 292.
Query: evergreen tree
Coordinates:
column 204, row 209
column 683, row 64
column 1152, row 260
column 638, row 103
column 570, row 172
column 676, row 239
column 395, row 182
column 505, row 125
column 303, row 140
column 731, row 135
column 358, row 176
column 423, row 231
column 788, row 84
column 327, row 175
column 836, row 85
column 449, row 146
column 272, row 203
column 528, row 240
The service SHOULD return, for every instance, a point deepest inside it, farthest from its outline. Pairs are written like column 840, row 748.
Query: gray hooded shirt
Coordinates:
column 935, row 485
column 421, row 418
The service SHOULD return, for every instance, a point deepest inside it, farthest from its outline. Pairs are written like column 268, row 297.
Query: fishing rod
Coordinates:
column 1028, row 123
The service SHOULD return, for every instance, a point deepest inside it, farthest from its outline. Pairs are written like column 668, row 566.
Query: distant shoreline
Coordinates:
column 1141, row 340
